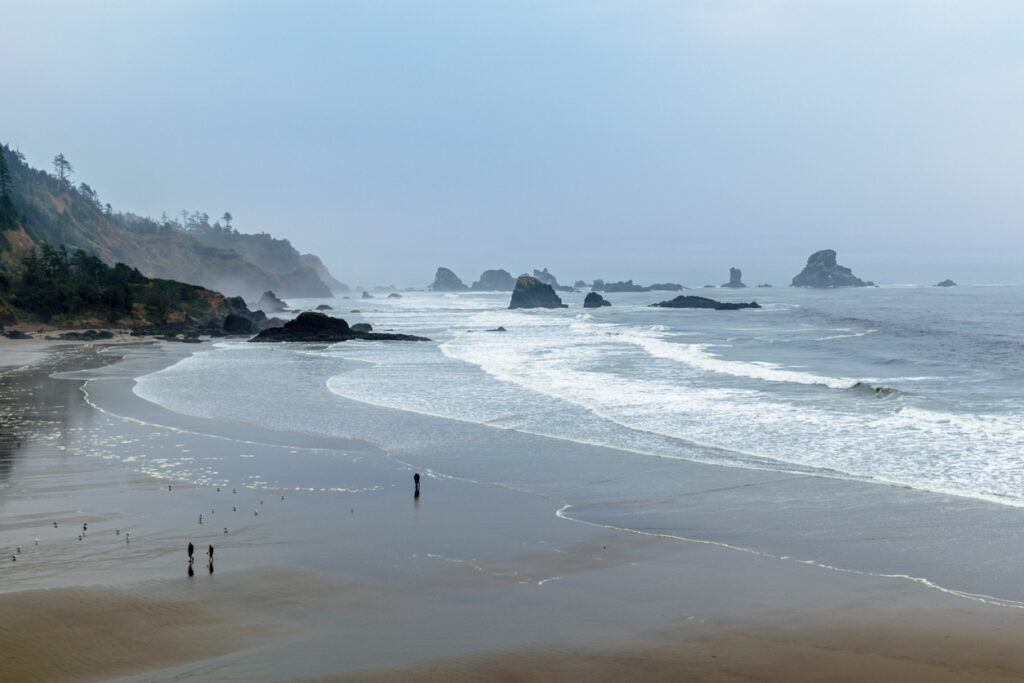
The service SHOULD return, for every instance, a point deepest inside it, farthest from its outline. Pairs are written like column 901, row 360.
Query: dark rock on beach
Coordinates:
column 320, row 327
column 87, row 335
column 447, row 281
column 494, row 281
column 822, row 272
column 595, row 300
column 532, row 293
column 362, row 327
column 236, row 324
column 735, row 279
column 704, row 302
column 17, row 334
column 946, row 283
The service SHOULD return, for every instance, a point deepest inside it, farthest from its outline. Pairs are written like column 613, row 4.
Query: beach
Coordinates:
column 468, row 580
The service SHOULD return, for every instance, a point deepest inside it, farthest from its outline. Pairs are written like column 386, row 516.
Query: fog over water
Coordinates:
column 653, row 140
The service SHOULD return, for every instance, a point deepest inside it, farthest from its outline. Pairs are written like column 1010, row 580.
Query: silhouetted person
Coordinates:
column 191, row 549
column 210, row 553
column 416, row 480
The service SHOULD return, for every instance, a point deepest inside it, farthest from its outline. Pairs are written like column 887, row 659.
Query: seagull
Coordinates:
column 14, row 558
column 19, row 550
column 37, row 541
column 55, row 525
column 85, row 527
column 234, row 490
column 117, row 532
column 168, row 487
column 255, row 513
column 218, row 489
column 79, row 537
column 225, row 529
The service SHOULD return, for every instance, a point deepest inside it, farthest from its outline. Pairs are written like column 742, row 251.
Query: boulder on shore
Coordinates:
column 946, row 283
column 595, row 300
column 447, row 281
column 320, row 327
column 532, row 293
column 822, row 272
column 735, row 279
column 236, row 324
column 269, row 303
column 703, row 302
column 494, row 281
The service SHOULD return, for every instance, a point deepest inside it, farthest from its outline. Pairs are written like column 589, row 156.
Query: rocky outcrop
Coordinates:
column 362, row 327
column 367, row 295
column 269, row 303
column 703, row 302
column 494, row 281
column 394, row 295
column 323, row 307
column 595, row 300
column 666, row 287
column 613, row 287
column 236, row 324
column 765, row 286
column 548, row 279
column 735, row 279
column 319, row 327
column 946, row 283
column 822, row 272
column 532, row 293
column 446, row 281
column 580, row 284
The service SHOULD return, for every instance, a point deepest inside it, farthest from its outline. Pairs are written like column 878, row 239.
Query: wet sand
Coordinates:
column 467, row 582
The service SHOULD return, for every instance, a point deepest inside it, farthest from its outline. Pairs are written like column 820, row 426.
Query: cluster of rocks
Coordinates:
column 320, row 327
column 87, row 335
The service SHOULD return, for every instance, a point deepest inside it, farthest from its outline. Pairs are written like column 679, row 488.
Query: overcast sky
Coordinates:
column 652, row 140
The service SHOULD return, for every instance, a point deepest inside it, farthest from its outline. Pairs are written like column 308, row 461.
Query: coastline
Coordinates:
column 469, row 580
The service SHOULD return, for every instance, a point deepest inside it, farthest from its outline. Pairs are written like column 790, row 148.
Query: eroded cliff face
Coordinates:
column 823, row 272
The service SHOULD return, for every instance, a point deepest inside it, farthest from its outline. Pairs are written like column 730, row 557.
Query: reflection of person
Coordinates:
column 191, row 549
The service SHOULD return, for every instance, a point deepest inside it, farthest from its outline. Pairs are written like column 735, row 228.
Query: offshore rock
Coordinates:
column 946, row 283
column 704, row 302
column 367, row 295
column 394, row 295
column 822, row 272
column 595, row 300
column 269, row 303
column 532, row 293
column 362, row 327
column 446, row 281
column 666, row 287
column 323, row 307
column 548, row 279
column 735, row 279
column 627, row 286
column 320, row 327
column 494, row 281
column 236, row 324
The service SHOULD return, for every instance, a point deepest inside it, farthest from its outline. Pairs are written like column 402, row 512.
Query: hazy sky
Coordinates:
column 652, row 140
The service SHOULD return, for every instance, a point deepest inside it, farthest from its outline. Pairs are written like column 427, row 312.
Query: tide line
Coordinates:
column 927, row 583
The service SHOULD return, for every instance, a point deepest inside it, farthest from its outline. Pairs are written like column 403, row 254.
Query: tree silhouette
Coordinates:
column 62, row 169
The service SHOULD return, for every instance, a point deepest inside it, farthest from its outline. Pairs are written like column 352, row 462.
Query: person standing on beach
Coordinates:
column 191, row 549
column 210, row 553
column 416, row 480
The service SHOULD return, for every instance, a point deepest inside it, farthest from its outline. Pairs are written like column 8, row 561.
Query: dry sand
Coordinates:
column 469, row 582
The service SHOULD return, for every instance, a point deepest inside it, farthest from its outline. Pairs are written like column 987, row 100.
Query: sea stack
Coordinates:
column 735, row 279
column 946, row 283
column 532, row 293
column 822, row 272
column 269, row 303
column 447, row 281
column 494, row 281
column 595, row 300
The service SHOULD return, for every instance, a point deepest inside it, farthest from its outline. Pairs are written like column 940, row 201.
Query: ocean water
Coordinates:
column 916, row 386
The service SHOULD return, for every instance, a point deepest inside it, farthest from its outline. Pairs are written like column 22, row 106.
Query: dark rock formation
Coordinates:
column 17, row 334
column 735, row 279
column 319, row 327
column 703, row 302
column 548, row 279
column 323, row 307
column 494, row 281
column 236, row 324
column 666, row 287
column 362, row 327
column 87, row 335
column 580, row 284
column 946, row 283
column 532, row 293
column 367, row 295
column 447, row 281
column 822, row 272
column 498, row 329
column 269, row 303
column 595, row 300
column 394, row 295
column 765, row 286
column 627, row 286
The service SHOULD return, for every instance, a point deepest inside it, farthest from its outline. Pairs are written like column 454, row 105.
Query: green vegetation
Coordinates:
column 56, row 285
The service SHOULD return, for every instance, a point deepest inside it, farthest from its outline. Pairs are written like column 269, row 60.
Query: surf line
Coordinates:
column 927, row 583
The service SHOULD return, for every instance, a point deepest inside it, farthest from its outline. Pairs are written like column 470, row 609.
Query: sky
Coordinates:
column 658, row 141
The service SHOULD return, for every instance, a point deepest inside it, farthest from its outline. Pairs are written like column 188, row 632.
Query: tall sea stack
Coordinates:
column 735, row 279
column 822, row 272
column 532, row 293
column 447, row 281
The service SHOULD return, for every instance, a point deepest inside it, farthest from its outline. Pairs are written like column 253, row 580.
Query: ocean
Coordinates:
column 915, row 386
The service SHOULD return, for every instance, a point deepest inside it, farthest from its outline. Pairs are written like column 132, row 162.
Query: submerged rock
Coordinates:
column 532, row 293
column 494, row 281
column 946, row 283
column 595, row 300
column 703, row 302
column 447, row 281
column 822, row 272
column 735, row 279
column 320, row 327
